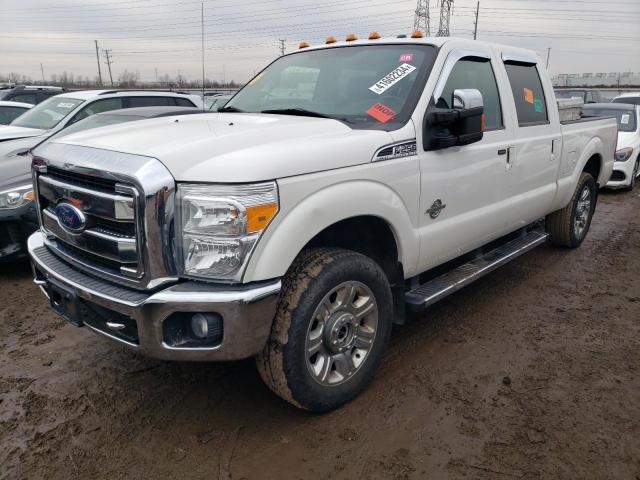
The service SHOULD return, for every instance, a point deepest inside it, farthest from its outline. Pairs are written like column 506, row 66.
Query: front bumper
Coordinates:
column 15, row 227
column 621, row 176
column 247, row 310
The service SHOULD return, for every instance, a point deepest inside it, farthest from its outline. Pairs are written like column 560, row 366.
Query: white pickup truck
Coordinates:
column 343, row 186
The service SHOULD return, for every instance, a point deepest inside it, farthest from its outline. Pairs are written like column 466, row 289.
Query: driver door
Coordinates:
column 462, row 187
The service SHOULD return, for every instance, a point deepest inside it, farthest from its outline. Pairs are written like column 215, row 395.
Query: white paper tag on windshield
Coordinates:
column 394, row 77
column 66, row 105
column 625, row 119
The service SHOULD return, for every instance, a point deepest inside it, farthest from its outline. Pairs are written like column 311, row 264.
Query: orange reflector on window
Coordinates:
column 351, row 37
column 303, row 45
column 482, row 122
column 258, row 217
column 330, row 40
column 417, row 34
column 374, row 36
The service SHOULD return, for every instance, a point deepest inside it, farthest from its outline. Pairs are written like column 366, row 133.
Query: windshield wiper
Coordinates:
column 230, row 110
column 301, row 112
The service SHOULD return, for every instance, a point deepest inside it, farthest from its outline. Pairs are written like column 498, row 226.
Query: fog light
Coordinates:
column 206, row 325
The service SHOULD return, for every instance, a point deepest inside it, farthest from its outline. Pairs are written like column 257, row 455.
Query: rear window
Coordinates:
column 531, row 105
column 627, row 121
column 183, row 102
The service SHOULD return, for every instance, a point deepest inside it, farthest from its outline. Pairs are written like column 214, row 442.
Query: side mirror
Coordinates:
column 461, row 125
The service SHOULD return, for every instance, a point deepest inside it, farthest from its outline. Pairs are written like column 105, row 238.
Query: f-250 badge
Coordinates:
column 435, row 209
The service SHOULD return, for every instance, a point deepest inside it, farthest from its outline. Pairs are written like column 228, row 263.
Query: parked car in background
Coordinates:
column 216, row 102
column 587, row 95
column 626, row 167
column 9, row 111
column 629, row 98
column 18, row 217
column 28, row 94
column 343, row 186
column 57, row 113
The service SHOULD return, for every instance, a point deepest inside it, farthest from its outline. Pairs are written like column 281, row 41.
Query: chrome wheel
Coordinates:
column 583, row 212
column 341, row 333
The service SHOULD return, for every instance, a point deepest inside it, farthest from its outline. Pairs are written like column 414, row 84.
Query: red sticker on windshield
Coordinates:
column 381, row 112
column 406, row 57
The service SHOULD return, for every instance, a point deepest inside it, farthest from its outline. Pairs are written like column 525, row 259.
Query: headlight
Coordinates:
column 623, row 154
column 16, row 197
column 220, row 225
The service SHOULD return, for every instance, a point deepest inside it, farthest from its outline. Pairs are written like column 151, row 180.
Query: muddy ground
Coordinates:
column 530, row 373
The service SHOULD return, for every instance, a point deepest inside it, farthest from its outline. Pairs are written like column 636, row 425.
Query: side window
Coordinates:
column 475, row 73
column 9, row 114
column 99, row 106
column 183, row 102
column 24, row 98
column 589, row 98
column 133, row 102
column 528, row 94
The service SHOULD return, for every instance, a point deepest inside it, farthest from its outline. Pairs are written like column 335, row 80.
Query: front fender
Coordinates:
column 297, row 223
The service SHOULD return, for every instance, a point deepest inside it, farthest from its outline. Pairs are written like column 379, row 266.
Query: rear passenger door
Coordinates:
column 535, row 153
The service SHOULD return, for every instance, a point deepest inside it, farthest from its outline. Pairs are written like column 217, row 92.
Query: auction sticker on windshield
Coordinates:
column 381, row 112
column 66, row 105
column 392, row 78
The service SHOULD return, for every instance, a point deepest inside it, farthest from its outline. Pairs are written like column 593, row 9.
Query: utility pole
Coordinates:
column 445, row 18
column 107, row 54
column 421, row 19
column 548, row 55
column 283, row 47
column 202, row 19
column 475, row 28
column 42, row 70
column 98, row 58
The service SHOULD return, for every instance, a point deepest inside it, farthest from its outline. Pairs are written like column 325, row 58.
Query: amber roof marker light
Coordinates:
column 330, row 39
column 417, row 34
column 351, row 37
column 374, row 36
column 303, row 45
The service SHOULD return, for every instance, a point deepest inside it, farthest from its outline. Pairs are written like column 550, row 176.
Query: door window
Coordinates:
column 477, row 73
column 9, row 114
column 528, row 94
column 183, row 102
column 99, row 106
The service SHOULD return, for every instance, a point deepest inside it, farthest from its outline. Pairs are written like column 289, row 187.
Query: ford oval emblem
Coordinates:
column 71, row 217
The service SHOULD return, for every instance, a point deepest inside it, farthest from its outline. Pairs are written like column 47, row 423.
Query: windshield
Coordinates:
column 95, row 121
column 47, row 114
column 627, row 121
column 368, row 87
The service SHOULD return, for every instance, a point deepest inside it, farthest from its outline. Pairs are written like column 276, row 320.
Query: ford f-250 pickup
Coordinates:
column 344, row 186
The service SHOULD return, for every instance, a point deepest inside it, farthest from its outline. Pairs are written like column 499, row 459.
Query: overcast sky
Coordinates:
column 241, row 36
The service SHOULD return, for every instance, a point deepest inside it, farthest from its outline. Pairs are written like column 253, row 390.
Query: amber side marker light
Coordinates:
column 351, row 37
column 303, row 45
column 417, row 34
column 330, row 40
column 29, row 196
column 374, row 36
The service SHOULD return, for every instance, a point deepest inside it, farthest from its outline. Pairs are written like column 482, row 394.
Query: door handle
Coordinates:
column 502, row 151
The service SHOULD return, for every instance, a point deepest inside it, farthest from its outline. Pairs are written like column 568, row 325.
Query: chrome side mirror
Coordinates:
column 466, row 98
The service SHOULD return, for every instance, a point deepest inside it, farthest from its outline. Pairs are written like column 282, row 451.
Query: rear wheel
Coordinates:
column 332, row 324
column 569, row 226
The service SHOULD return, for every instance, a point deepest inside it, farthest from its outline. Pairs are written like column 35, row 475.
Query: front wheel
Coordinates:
column 569, row 226
column 330, row 330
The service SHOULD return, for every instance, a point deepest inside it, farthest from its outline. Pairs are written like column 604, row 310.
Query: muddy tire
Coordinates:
column 330, row 330
column 569, row 226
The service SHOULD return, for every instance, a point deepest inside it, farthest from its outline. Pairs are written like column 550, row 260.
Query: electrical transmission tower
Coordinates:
column 421, row 21
column 107, row 56
column 283, row 46
column 445, row 18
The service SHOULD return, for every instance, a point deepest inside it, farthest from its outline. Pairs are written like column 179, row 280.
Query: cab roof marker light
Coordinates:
column 351, row 37
column 330, row 39
column 303, row 45
column 374, row 36
column 417, row 34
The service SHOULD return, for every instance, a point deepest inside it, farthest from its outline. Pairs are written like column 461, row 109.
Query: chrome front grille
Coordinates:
column 110, row 235
column 126, row 215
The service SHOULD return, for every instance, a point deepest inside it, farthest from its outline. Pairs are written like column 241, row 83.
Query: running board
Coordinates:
column 434, row 290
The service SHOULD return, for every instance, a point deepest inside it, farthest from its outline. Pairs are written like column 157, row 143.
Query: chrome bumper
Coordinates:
column 247, row 310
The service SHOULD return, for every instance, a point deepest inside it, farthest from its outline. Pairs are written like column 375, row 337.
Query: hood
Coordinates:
column 628, row 139
column 233, row 147
column 15, row 171
column 9, row 132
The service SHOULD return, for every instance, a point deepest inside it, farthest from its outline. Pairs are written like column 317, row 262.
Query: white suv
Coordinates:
column 58, row 112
